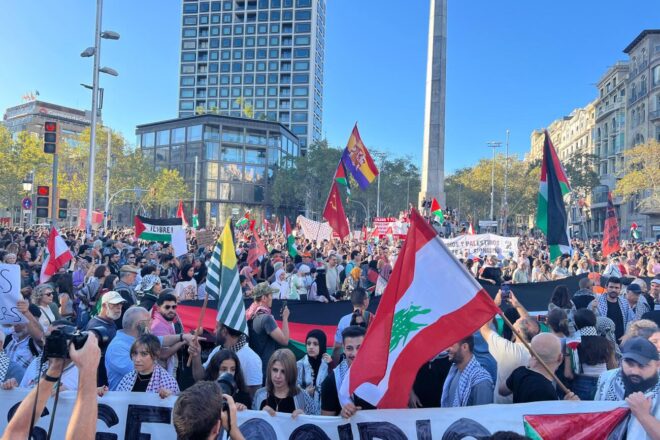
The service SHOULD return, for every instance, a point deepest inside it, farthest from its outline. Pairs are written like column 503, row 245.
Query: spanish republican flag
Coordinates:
column 358, row 160
column 416, row 319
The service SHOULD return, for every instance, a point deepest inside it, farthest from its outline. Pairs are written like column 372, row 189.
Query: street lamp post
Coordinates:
column 380, row 156
column 505, row 202
column 492, row 145
column 96, row 53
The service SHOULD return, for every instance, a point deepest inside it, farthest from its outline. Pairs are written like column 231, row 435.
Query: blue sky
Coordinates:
column 514, row 65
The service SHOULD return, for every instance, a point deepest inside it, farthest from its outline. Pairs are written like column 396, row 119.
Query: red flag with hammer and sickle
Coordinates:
column 334, row 212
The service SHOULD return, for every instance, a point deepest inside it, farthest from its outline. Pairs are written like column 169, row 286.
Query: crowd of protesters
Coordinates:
column 602, row 341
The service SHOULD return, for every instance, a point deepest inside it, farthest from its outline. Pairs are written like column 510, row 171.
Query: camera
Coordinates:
column 58, row 341
column 228, row 386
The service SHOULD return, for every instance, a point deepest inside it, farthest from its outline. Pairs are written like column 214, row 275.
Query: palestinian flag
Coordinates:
column 342, row 179
column 609, row 425
column 195, row 219
column 157, row 229
column 56, row 256
column 634, row 232
column 551, row 217
column 290, row 239
column 413, row 323
column 437, row 210
column 222, row 282
column 244, row 221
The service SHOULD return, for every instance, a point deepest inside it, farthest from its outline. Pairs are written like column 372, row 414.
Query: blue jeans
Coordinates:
column 585, row 386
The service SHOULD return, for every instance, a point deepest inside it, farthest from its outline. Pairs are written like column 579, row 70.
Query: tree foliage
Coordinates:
column 468, row 189
column 303, row 183
column 641, row 177
column 581, row 172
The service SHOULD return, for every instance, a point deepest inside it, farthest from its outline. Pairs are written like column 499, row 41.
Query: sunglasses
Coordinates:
column 169, row 307
column 48, row 293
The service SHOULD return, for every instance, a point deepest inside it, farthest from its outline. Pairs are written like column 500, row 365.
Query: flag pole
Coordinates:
column 535, row 354
column 198, row 330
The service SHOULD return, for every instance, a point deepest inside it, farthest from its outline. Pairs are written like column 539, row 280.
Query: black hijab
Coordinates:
column 316, row 362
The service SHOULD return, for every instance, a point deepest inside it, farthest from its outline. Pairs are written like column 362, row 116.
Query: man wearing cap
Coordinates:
column 265, row 335
column 636, row 381
column 636, row 300
column 127, row 275
column 111, row 306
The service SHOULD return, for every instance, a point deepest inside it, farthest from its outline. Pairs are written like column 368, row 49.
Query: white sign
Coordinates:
column 133, row 415
column 10, row 293
column 488, row 223
column 482, row 244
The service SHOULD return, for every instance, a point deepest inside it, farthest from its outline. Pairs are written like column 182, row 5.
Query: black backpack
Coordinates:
column 31, row 345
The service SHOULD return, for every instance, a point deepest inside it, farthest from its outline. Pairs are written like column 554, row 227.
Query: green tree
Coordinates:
column 165, row 191
column 581, row 172
column 641, row 177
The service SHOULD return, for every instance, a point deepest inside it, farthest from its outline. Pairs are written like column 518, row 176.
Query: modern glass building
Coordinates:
column 237, row 160
column 257, row 58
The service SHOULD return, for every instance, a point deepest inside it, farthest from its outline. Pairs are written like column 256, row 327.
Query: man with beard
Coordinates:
column 110, row 310
column 136, row 322
column 636, row 381
column 235, row 341
column 163, row 324
column 467, row 383
column 615, row 307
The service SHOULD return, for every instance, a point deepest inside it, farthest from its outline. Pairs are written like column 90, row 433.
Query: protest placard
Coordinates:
column 10, row 293
column 205, row 238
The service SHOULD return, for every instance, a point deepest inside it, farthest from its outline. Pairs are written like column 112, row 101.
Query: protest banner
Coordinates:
column 10, row 293
column 205, row 238
column 390, row 225
column 145, row 415
column 481, row 245
column 314, row 230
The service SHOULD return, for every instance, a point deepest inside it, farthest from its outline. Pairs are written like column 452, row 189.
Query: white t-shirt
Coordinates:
column 344, row 322
column 508, row 356
column 250, row 365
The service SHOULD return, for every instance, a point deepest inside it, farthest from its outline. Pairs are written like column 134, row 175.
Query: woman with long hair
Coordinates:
column 593, row 355
column 147, row 375
column 561, row 299
column 313, row 368
column 226, row 361
column 281, row 393
column 186, row 288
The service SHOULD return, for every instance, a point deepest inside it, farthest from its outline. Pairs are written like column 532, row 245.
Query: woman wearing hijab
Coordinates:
column 149, row 289
column 315, row 366
column 281, row 284
column 186, row 288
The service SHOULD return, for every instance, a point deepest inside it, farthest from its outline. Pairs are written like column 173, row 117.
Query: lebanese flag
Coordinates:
column 430, row 302
column 57, row 255
column 181, row 215
column 470, row 230
column 610, row 229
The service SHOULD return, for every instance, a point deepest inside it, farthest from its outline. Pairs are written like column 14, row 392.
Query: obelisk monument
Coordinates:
column 433, row 160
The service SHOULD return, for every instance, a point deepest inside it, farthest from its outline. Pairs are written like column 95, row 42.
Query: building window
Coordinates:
column 163, row 137
column 194, row 133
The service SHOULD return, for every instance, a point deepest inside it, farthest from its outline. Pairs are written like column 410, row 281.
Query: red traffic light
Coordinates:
column 43, row 190
column 50, row 126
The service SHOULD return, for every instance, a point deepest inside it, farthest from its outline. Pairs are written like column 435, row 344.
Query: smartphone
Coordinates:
column 283, row 307
column 506, row 291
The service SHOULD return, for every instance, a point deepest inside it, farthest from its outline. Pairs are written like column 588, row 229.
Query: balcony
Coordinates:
column 654, row 115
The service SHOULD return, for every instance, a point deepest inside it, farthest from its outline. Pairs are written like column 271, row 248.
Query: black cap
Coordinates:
column 640, row 350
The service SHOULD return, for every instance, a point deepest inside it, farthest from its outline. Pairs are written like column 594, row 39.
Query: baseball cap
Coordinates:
column 655, row 281
column 640, row 350
column 112, row 297
column 634, row 288
column 262, row 289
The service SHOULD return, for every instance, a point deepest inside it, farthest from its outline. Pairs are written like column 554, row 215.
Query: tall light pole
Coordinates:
column 96, row 53
column 493, row 145
column 380, row 156
column 106, row 214
column 505, row 202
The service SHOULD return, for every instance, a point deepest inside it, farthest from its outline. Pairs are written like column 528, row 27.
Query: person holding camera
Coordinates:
column 225, row 368
column 147, row 375
column 82, row 424
column 199, row 414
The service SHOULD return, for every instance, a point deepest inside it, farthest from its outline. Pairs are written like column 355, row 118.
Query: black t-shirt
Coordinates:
column 615, row 314
column 492, row 273
column 329, row 398
column 430, row 380
column 286, row 405
column 142, row 382
column 530, row 386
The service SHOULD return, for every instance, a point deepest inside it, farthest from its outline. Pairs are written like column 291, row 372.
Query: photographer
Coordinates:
column 85, row 411
column 199, row 414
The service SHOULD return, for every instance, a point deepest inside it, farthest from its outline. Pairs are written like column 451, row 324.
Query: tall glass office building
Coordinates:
column 261, row 59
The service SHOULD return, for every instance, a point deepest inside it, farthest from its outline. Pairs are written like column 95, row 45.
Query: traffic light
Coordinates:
column 50, row 137
column 63, row 205
column 43, row 201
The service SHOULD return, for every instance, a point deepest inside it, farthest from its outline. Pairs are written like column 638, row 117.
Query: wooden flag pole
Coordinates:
column 198, row 330
column 535, row 354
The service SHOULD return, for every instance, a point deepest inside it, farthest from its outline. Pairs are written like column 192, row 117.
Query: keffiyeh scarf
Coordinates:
column 159, row 379
column 4, row 365
column 623, row 304
column 611, row 387
column 340, row 374
column 472, row 375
